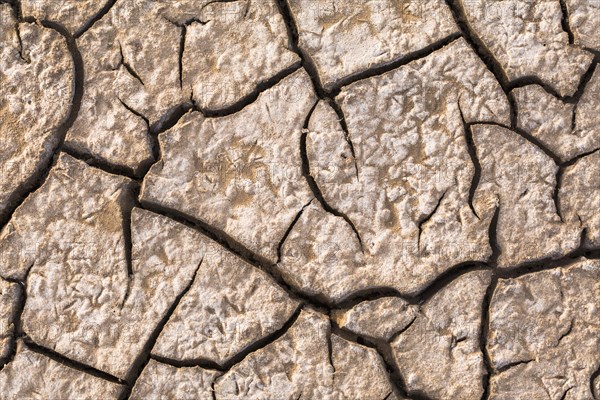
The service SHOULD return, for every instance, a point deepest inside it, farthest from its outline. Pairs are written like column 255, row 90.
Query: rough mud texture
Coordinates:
column 529, row 41
column 300, row 199
column 544, row 333
column 346, row 38
column 36, row 78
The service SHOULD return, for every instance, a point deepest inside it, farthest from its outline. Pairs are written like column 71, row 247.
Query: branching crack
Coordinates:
column 312, row 183
column 384, row 350
column 128, row 67
column 144, row 357
column 241, row 355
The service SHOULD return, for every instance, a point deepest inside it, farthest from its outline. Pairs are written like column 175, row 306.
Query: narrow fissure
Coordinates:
column 289, row 229
column 565, row 21
column 472, row 150
column 144, row 357
column 312, row 183
column 91, row 21
column 426, row 219
column 484, row 332
column 67, row 362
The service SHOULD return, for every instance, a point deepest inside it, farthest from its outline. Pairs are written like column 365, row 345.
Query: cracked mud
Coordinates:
column 300, row 199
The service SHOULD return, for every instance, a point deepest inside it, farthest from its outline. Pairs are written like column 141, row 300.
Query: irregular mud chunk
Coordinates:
column 527, row 39
column 520, row 179
column 554, row 123
column 72, row 14
column 230, row 306
column 164, row 382
column 580, row 196
column 80, row 300
column 241, row 44
column 584, row 20
column 240, row 174
column 295, row 365
column 76, row 216
column 299, row 365
column 143, row 59
column 322, row 257
column 359, row 372
column 543, row 336
column 34, row 376
column 9, row 298
column 346, row 38
column 407, row 191
column 36, row 87
column 439, row 354
column 379, row 319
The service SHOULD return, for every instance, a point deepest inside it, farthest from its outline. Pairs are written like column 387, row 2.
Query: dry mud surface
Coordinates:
column 300, row 199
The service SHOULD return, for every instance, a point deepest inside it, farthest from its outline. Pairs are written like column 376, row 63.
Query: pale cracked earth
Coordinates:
column 300, row 199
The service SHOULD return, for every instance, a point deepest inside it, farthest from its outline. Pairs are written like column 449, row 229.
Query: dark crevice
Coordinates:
column 167, row 121
column 144, row 357
column 90, row 22
column 18, row 33
column 250, row 98
column 486, row 56
column 565, row 23
column 318, row 302
column 312, row 183
column 493, row 235
column 213, row 392
column 528, row 137
column 419, row 298
column 401, row 331
column 564, row 396
column 238, row 357
column 16, row 317
column 394, row 64
column 76, row 365
column 474, row 159
column 477, row 44
column 513, row 364
column 384, row 350
column 128, row 204
column 170, row 118
column 135, row 112
column 98, row 162
column 444, row 279
column 567, row 332
column 293, row 44
column 545, row 264
column 572, row 99
column 128, row 67
column 484, row 330
column 330, row 347
column 181, row 51
column 559, row 180
column 593, row 378
column 342, row 119
column 289, row 229
column 37, row 179
column 422, row 221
